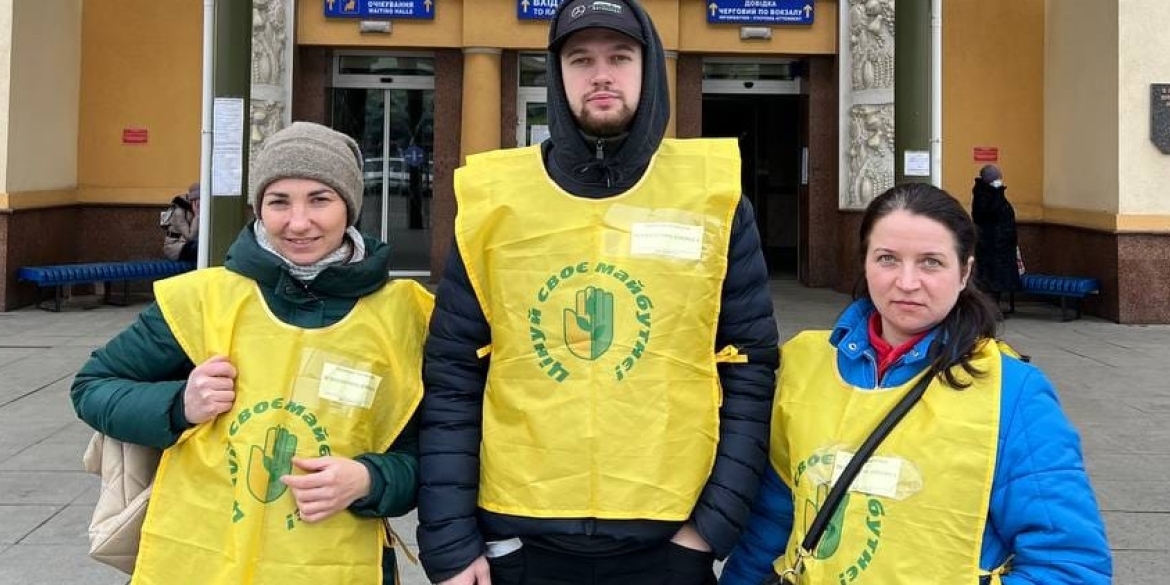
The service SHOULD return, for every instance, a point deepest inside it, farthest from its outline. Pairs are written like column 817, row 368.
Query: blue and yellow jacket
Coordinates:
column 1043, row 513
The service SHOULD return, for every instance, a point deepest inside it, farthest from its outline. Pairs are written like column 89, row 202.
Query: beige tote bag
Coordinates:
column 127, row 472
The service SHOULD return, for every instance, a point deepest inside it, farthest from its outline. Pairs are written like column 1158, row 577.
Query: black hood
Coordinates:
column 571, row 157
column 986, row 199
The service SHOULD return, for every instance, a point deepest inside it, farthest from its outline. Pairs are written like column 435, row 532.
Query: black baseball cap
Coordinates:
column 582, row 14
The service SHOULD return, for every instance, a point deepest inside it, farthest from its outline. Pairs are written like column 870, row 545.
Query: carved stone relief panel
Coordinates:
column 871, row 44
column 871, row 153
column 272, row 47
column 867, row 101
column 268, row 117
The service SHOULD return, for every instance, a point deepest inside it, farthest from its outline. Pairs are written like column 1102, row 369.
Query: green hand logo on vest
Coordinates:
column 818, row 469
column 589, row 326
column 831, row 539
column 267, row 464
column 593, row 318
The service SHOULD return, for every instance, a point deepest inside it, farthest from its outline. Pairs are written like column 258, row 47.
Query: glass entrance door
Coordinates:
column 532, row 116
column 393, row 123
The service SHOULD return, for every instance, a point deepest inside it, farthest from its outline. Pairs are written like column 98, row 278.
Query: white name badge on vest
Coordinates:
column 878, row 477
column 670, row 240
column 348, row 386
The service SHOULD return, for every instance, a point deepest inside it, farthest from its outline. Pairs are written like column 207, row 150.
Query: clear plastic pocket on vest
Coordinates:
column 670, row 234
column 890, row 477
column 336, row 382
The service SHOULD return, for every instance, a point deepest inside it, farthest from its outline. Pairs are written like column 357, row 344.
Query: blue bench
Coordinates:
column 60, row 276
column 1070, row 290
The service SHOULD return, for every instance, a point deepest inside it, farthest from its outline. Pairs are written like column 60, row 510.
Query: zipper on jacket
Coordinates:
column 877, row 382
column 601, row 156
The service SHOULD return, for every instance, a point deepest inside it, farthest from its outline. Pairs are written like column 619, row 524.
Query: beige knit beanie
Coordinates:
column 305, row 150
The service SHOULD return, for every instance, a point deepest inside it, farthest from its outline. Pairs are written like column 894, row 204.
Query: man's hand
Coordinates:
column 210, row 391
column 330, row 486
column 477, row 573
column 688, row 537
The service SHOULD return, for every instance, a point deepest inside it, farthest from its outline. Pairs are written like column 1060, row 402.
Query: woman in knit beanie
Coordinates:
column 281, row 388
column 299, row 160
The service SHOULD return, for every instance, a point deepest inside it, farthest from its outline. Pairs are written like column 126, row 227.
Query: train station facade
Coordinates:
column 102, row 120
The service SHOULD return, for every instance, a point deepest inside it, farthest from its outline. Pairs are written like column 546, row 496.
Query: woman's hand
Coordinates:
column 330, row 486
column 210, row 391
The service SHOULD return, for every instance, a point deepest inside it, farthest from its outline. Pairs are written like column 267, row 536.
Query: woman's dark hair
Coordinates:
column 973, row 318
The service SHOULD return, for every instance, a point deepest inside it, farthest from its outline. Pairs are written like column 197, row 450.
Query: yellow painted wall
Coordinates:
column 45, row 66
column 1144, row 59
column 1081, row 105
column 993, row 95
column 141, row 67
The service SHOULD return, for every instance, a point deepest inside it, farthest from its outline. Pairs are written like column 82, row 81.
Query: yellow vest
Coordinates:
column 602, row 400
column 219, row 513
column 917, row 511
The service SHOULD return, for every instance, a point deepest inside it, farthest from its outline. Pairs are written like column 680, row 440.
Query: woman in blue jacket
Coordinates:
column 983, row 481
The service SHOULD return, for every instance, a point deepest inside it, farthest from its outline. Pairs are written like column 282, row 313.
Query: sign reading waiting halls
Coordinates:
column 760, row 11
column 423, row 9
column 536, row 9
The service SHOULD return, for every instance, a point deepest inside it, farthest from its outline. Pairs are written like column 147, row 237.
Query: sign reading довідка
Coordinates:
column 760, row 11
column 421, row 9
column 536, row 9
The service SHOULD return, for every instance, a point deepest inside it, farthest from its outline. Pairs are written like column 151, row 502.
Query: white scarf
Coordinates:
column 352, row 250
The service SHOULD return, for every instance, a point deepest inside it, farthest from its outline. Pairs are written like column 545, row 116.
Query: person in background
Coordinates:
column 601, row 361
column 281, row 386
column 180, row 225
column 983, row 481
column 997, row 269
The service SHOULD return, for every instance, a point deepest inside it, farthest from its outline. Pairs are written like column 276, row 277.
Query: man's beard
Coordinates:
column 608, row 126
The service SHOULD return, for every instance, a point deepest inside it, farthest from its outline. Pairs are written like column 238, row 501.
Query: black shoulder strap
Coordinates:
column 817, row 529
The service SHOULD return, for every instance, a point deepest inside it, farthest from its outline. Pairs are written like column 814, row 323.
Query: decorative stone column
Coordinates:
column 867, row 101
column 273, row 26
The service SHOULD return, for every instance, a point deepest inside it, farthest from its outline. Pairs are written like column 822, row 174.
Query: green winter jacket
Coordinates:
column 132, row 388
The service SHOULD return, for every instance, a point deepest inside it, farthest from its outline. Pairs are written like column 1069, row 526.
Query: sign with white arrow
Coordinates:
column 760, row 11
column 536, row 9
column 374, row 9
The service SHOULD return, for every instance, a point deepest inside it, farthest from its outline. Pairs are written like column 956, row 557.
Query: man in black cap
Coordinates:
column 601, row 360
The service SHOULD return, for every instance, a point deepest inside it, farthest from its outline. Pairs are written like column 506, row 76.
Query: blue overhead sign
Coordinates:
column 373, row 9
column 760, row 11
column 536, row 9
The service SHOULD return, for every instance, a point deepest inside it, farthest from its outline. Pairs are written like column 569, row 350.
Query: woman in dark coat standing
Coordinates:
column 996, row 267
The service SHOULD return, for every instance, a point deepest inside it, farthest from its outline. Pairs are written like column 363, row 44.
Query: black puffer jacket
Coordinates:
column 452, row 529
column 995, row 251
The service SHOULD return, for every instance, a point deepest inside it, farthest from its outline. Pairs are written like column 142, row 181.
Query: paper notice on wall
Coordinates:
column 227, row 147
column 917, row 163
